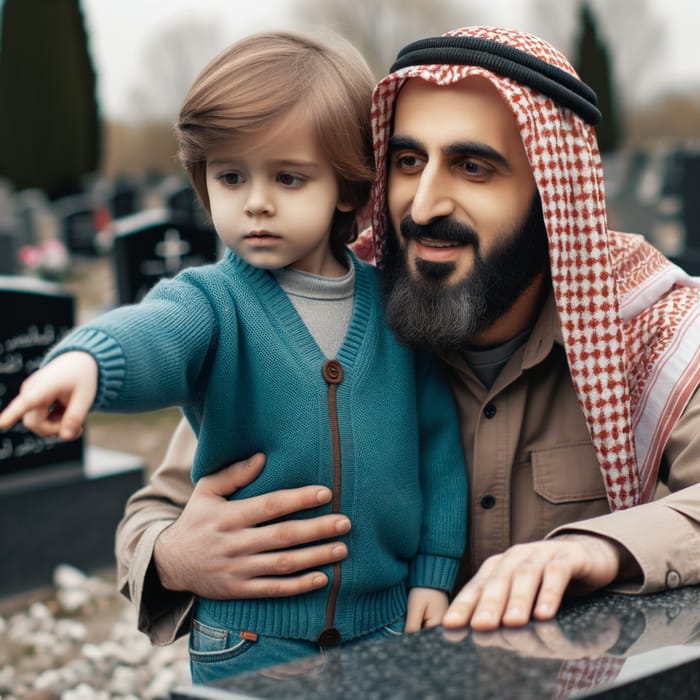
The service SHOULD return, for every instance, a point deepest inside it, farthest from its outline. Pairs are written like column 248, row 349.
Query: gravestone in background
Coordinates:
column 77, row 223
column 35, row 315
column 154, row 244
column 59, row 501
column 33, row 209
column 10, row 243
column 124, row 198
column 7, row 205
column 688, row 188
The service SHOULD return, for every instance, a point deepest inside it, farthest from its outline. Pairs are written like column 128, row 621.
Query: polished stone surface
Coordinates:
column 611, row 647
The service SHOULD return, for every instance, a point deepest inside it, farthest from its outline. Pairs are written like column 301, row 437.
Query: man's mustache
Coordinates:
column 443, row 229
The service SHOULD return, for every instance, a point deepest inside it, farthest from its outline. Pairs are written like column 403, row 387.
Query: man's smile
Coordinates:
column 434, row 250
column 434, row 243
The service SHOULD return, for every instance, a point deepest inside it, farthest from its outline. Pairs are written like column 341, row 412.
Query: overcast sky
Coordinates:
column 121, row 29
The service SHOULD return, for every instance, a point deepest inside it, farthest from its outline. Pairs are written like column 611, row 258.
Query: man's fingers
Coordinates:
column 292, row 533
column 295, row 560
column 269, row 506
column 280, row 586
column 459, row 614
column 555, row 580
column 278, row 504
column 523, row 588
column 228, row 480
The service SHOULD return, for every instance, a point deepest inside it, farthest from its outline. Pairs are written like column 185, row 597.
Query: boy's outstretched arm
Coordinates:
column 55, row 399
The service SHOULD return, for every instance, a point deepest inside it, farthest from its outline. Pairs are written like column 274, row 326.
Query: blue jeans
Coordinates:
column 217, row 653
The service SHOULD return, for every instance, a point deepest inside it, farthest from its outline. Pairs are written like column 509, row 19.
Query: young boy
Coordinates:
column 282, row 348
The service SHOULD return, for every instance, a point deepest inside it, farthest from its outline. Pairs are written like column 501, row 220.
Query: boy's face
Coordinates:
column 273, row 203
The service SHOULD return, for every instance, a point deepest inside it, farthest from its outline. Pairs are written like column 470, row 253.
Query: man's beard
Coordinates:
column 425, row 311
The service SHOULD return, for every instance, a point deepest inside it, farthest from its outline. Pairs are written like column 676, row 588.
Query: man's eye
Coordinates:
column 406, row 162
column 290, row 180
column 475, row 168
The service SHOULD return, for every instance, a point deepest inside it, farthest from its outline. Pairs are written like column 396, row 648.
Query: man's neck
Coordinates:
column 517, row 319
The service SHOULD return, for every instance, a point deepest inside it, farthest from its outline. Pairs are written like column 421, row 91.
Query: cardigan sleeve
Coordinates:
column 443, row 481
column 152, row 354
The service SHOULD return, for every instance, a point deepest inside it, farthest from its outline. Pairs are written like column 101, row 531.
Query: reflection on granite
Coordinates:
column 610, row 647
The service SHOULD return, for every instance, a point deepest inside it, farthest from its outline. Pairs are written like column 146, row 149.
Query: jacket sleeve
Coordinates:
column 443, row 481
column 175, row 322
column 663, row 535
column 163, row 615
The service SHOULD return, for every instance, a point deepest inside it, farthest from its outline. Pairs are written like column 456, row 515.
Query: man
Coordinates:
column 572, row 352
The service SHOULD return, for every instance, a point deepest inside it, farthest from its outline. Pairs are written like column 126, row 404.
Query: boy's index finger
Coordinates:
column 24, row 402
column 12, row 413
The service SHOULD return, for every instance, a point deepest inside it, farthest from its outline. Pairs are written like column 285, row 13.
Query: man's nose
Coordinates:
column 433, row 197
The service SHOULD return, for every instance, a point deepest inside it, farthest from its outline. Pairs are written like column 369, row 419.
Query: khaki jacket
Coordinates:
column 532, row 474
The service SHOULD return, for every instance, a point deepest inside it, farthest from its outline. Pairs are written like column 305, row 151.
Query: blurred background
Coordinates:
column 89, row 89
column 93, row 203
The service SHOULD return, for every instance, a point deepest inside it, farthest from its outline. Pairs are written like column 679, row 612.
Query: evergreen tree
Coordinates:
column 594, row 66
column 49, row 124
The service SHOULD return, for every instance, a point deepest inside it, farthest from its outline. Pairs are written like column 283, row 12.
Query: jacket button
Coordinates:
column 489, row 410
column 332, row 371
column 487, row 502
column 330, row 637
column 673, row 579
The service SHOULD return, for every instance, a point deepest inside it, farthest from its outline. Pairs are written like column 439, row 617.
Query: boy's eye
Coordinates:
column 232, row 179
column 290, row 180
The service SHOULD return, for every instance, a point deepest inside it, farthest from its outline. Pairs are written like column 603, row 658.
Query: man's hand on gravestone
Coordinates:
column 55, row 399
column 224, row 549
column 530, row 580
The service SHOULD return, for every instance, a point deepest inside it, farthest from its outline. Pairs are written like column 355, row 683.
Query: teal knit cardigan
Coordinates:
column 225, row 343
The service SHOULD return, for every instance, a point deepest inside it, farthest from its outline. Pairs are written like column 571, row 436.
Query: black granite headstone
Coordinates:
column 33, row 210
column 151, row 245
column 124, row 199
column 78, row 225
column 181, row 201
column 59, row 501
column 35, row 315
column 9, row 246
column 688, row 168
column 691, row 201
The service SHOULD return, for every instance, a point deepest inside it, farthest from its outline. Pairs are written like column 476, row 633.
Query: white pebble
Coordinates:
column 66, row 576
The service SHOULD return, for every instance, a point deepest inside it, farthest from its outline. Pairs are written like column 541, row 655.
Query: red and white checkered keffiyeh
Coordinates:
column 630, row 319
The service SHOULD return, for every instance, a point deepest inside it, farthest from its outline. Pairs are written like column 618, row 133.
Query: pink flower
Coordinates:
column 30, row 257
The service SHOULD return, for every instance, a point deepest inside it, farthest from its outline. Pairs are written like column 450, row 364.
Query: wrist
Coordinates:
column 165, row 566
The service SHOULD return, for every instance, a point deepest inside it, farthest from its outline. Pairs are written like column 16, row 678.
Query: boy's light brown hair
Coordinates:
column 256, row 81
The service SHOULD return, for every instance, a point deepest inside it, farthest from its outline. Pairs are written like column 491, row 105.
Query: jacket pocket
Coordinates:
column 567, row 473
column 568, row 485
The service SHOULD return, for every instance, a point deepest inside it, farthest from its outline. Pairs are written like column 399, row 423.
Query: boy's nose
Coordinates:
column 259, row 201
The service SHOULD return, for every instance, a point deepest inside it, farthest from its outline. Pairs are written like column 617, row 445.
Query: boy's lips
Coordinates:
column 261, row 234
